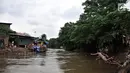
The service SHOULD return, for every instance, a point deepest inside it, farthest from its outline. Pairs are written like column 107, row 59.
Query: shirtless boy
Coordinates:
column 106, row 58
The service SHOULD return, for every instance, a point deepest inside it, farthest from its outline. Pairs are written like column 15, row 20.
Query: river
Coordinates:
column 55, row 61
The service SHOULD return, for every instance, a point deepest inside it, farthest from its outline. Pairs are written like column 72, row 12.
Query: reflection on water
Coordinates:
column 55, row 61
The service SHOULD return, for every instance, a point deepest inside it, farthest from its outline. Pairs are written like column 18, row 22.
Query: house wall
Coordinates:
column 25, row 41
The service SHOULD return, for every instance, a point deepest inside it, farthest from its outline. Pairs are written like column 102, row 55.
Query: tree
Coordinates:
column 5, row 31
column 64, row 36
column 44, row 37
column 54, row 43
column 101, row 25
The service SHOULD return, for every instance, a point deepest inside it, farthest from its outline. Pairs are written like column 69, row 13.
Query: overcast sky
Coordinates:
column 42, row 16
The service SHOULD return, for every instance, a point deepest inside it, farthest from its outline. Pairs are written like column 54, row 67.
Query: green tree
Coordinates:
column 4, row 31
column 64, row 36
column 44, row 37
column 54, row 43
column 101, row 25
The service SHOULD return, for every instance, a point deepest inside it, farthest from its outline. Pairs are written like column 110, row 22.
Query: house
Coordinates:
column 4, row 36
column 21, row 39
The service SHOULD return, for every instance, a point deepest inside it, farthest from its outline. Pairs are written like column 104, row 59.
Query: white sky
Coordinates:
column 42, row 16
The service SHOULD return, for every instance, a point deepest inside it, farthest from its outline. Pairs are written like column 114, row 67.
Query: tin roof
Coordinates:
column 21, row 34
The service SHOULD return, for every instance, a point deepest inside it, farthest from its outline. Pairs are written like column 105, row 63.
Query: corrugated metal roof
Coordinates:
column 21, row 34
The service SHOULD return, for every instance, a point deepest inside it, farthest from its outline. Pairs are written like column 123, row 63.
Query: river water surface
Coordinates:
column 55, row 61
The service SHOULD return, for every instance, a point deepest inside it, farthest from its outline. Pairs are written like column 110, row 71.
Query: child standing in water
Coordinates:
column 103, row 56
column 38, row 48
column 106, row 58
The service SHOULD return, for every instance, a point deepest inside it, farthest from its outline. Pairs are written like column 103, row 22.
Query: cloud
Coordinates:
column 31, row 22
column 128, row 4
column 14, row 8
column 72, row 13
column 42, row 16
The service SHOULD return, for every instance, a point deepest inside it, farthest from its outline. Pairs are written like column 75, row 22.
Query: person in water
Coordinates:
column 106, row 58
column 102, row 55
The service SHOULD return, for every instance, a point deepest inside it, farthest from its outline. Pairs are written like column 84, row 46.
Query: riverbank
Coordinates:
column 15, row 52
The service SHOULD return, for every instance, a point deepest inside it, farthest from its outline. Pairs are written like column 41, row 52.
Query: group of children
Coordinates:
column 37, row 46
column 111, row 60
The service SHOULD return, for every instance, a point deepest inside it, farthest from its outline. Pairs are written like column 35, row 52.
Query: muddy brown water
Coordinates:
column 55, row 61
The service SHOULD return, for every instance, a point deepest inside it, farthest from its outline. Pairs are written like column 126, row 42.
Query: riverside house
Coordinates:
column 21, row 39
